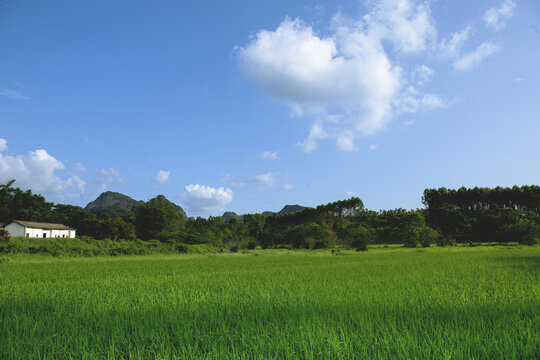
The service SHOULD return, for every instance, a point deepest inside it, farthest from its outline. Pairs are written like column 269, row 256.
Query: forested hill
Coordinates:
column 112, row 204
column 287, row 209
column 162, row 200
column 228, row 215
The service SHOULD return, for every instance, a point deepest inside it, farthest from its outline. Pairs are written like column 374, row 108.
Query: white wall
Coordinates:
column 63, row 233
column 36, row 233
column 15, row 229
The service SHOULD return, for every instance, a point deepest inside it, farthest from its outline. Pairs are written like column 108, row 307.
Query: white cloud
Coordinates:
column 108, row 177
column 288, row 187
column 237, row 184
column 412, row 101
column 373, row 147
column 350, row 194
column 471, row 60
column 162, row 176
column 423, row 74
column 496, row 17
column 409, row 122
column 346, row 82
column 3, row 145
column 269, row 155
column 13, row 94
column 345, row 141
column 316, row 133
column 227, row 178
column 267, row 179
column 78, row 168
column 201, row 199
column 451, row 48
column 405, row 23
column 37, row 171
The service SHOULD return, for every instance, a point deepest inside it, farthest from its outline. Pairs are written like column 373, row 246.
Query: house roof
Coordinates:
column 40, row 225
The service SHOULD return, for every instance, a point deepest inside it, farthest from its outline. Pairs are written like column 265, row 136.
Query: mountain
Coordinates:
column 229, row 215
column 162, row 200
column 113, row 204
column 287, row 209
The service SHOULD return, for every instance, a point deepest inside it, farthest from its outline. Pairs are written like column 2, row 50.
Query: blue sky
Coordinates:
column 247, row 106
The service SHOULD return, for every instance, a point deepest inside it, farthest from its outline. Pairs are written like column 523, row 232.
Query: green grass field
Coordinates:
column 451, row 303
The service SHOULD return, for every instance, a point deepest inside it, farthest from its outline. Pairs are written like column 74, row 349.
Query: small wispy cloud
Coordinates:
column 471, row 60
column 496, row 17
column 423, row 74
column 108, row 177
column 162, row 176
column 267, row 179
column 373, row 147
column 13, row 94
column 229, row 179
column 78, row 168
column 3, row 144
column 316, row 133
column 288, row 187
column 269, row 155
column 409, row 122
column 451, row 48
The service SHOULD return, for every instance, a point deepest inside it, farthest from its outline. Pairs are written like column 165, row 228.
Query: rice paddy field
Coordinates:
column 436, row 303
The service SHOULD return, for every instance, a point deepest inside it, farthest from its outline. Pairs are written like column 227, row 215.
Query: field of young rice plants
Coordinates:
column 456, row 303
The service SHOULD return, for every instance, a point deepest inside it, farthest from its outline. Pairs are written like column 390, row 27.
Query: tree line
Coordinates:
column 484, row 214
column 449, row 217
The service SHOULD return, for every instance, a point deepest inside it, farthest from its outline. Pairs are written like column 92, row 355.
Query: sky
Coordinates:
column 247, row 106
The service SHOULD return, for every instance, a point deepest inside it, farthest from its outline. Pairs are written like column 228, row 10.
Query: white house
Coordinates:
column 39, row 230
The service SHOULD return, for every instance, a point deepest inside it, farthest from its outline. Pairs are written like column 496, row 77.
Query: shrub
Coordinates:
column 181, row 248
column 358, row 236
column 420, row 236
column 525, row 232
column 252, row 244
column 446, row 241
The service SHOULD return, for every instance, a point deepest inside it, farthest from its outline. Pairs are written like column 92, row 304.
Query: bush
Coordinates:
column 420, row 236
column 525, row 232
column 446, row 241
column 315, row 243
column 181, row 248
column 252, row 244
column 361, row 236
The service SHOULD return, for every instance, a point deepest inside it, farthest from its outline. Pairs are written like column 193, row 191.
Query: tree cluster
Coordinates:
column 485, row 214
column 450, row 216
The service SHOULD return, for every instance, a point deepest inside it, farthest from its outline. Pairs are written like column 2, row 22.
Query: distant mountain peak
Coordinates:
column 161, row 199
column 112, row 203
column 287, row 209
column 229, row 215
